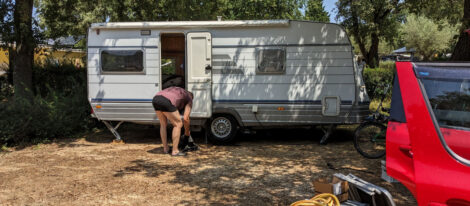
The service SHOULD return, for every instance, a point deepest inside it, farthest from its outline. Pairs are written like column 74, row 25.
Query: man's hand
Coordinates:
column 186, row 121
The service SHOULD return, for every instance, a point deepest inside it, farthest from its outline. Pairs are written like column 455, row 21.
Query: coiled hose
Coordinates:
column 325, row 199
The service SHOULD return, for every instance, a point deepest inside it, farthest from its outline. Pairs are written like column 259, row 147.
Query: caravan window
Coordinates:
column 122, row 61
column 271, row 61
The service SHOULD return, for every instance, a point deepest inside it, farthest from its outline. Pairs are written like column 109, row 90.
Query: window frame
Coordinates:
column 437, row 126
column 284, row 58
column 144, row 68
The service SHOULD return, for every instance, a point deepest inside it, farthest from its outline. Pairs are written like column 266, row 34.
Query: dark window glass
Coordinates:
column 122, row 61
column 450, row 100
column 271, row 61
column 397, row 112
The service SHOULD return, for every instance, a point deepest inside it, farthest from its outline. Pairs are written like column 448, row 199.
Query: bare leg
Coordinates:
column 175, row 120
column 163, row 135
column 186, row 128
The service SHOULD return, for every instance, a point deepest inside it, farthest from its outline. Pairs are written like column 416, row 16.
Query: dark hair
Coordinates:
column 191, row 94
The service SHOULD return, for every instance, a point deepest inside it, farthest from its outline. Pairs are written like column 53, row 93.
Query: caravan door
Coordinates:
column 199, row 70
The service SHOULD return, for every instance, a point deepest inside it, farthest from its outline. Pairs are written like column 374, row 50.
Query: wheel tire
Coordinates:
column 365, row 145
column 222, row 129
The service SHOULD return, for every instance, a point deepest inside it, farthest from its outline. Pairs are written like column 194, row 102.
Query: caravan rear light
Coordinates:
column 98, row 106
column 92, row 113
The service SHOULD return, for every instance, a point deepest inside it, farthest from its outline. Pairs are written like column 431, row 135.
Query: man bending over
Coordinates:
column 168, row 104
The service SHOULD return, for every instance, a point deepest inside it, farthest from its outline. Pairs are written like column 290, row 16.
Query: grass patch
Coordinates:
column 4, row 148
column 375, row 103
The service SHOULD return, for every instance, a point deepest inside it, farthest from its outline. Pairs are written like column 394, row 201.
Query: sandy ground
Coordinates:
column 272, row 167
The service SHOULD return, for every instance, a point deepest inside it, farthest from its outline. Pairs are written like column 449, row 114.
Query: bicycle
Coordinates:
column 369, row 137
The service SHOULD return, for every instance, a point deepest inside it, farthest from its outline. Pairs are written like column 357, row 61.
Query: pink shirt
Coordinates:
column 177, row 96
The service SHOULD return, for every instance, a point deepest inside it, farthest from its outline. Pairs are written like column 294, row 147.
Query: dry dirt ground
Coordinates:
column 272, row 167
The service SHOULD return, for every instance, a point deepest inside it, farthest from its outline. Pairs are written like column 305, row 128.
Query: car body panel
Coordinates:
column 399, row 164
column 439, row 178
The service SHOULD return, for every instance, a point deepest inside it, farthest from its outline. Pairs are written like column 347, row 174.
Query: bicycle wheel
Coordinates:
column 369, row 140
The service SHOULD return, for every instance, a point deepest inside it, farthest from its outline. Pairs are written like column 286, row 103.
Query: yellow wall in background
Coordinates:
column 42, row 55
column 3, row 58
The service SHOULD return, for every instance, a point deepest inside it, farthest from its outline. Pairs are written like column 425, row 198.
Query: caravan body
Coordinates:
column 259, row 73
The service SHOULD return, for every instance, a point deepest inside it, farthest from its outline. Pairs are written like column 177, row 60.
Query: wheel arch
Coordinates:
column 228, row 111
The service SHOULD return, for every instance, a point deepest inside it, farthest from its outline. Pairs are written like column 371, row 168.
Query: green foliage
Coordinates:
column 376, row 80
column 390, row 65
column 58, row 109
column 73, row 17
column 427, row 36
column 315, row 11
column 370, row 21
column 6, row 25
column 452, row 10
column 6, row 89
column 180, row 10
column 462, row 50
column 374, row 103
column 262, row 9
column 385, row 47
column 69, row 18
column 169, row 67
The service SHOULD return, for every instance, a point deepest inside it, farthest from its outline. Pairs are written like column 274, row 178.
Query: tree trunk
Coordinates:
column 372, row 57
column 11, row 60
column 462, row 49
column 24, row 53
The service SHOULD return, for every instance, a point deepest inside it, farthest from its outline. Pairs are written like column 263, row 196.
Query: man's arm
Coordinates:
column 186, row 121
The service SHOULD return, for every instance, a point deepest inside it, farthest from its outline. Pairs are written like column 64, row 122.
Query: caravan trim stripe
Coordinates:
column 230, row 101
column 275, row 45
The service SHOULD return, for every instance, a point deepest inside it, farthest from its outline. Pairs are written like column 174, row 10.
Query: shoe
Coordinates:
column 183, row 142
column 179, row 154
column 192, row 147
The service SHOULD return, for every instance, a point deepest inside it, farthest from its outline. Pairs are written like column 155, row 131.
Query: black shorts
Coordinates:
column 161, row 103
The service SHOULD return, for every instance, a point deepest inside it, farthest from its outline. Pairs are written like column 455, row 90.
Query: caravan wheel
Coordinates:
column 222, row 129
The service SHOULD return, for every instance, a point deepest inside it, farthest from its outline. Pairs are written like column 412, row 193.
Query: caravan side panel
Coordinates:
column 123, row 96
column 318, row 63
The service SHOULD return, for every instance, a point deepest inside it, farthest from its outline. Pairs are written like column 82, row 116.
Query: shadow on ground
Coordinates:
column 271, row 167
column 276, row 166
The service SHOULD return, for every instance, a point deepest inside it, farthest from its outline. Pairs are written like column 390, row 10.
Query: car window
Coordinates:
column 450, row 101
column 447, row 90
column 397, row 112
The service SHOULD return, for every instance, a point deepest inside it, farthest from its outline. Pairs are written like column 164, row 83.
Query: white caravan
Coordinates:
column 244, row 74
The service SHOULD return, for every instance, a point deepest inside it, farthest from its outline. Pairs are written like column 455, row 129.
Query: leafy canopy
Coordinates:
column 73, row 17
column 370, row 21
column 427, row 36
column 315, row 11
column 437, row 10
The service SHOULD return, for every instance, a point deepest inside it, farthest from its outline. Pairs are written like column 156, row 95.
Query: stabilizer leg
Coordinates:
column 327, row 133
column 113, row 130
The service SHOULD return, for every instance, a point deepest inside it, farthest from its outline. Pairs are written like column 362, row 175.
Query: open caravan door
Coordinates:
column 199, row 70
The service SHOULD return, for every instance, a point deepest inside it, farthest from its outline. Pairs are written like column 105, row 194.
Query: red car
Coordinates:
column 428, row 136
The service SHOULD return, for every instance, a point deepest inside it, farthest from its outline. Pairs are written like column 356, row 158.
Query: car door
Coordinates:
column 399, row 156
column 436, row 103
